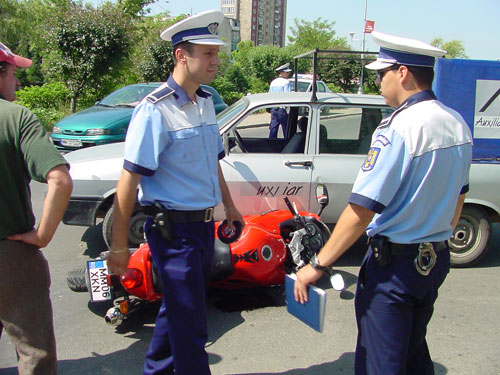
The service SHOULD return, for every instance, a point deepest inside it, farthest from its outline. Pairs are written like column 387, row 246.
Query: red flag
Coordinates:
column 369, row 26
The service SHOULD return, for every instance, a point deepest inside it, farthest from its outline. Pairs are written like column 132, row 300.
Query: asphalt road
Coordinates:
column 252, row 333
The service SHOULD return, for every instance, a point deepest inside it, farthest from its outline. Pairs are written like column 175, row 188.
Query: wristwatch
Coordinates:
column 315, row 264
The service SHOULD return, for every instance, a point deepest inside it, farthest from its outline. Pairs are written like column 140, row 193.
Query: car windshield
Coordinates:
column 302, row 86
column 128, row 96
column 232, row 111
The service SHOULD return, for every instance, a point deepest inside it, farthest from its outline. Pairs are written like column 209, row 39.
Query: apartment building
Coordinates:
column 261, row 21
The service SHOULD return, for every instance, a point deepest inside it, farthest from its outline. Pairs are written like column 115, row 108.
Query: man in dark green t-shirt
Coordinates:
column 26, row 153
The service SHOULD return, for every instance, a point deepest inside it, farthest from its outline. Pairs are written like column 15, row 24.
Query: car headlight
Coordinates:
column 56, row 130
column 97, row 132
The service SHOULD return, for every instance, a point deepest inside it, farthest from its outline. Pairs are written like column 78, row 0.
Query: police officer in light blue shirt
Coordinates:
column 172, row 151
column 408, row 197
column 279, row 115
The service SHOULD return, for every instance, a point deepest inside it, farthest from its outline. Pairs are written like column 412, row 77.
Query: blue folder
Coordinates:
column 313, row 312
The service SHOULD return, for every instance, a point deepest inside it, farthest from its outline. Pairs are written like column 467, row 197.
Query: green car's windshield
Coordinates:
column 128, row 96
column 232, row 111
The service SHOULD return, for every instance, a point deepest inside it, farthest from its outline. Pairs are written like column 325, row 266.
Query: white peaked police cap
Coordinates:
column 200, row 28
column 284, row 68
column 403, row 51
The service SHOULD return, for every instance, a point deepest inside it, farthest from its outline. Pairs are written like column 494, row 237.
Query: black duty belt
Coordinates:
column 181, row 217
column 423, row 254
column 412, row 249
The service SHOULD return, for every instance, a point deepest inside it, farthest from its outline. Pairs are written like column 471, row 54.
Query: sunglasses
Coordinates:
column 381, row 73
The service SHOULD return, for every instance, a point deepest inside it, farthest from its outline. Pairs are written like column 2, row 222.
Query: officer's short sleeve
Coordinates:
column 382, row 172
column 146, row 138
column 220, row 149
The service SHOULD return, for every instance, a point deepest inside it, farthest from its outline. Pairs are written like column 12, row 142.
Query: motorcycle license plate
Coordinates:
column 99, row 288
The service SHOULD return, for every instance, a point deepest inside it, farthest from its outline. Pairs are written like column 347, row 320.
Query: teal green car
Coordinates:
column 107, row 121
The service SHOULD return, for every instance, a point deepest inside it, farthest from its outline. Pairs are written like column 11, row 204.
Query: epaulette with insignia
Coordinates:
column 204, row 93
column 387, row 121
column 156, row 96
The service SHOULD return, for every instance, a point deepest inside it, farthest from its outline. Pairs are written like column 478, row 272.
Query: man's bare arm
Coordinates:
column 126, row 192
column 458, row 210
column 59, row 190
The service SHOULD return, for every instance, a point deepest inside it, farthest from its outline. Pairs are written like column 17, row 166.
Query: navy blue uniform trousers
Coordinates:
column 279, row 116
column 180, row 332
column 393, row 306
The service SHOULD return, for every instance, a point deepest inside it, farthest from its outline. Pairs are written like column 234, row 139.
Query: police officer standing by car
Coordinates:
column 26, row 153
column 279, row 116
column 408, row 196
column 172, row 150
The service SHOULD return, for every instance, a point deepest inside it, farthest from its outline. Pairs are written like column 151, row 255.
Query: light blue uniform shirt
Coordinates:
column 280, row 84
column 175, row 145
column 417, row 166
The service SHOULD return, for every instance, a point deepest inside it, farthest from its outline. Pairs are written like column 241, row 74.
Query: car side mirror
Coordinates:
column 322, row 197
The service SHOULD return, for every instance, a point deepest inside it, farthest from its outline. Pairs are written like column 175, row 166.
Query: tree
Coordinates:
column 343, row 73
column 87, row 46
column 315, row 34
column 158, row 61
column 454, row 48
column 136, row 8
column 342, row 70
column 153, row 56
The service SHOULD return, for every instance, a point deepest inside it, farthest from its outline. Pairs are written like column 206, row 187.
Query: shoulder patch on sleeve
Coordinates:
column 382, row 139
column 371, row 159
column 156, row 96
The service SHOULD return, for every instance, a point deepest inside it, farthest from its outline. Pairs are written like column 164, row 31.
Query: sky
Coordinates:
column 474, row 22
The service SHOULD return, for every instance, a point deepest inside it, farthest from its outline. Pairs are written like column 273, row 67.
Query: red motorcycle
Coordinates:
column 270, row 245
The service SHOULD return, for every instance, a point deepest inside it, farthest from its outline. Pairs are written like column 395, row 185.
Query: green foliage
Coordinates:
column 87, row 44
column 261, row 62
column 152, row 56
column 136, row 8
column 158, row 61
column 369, row 86
column 226, row 90
column 257, row 85
column 455, row 48
column 48, row 102
column 342, row 73
column 238, row 79
column 93, row 50
column 315, row 34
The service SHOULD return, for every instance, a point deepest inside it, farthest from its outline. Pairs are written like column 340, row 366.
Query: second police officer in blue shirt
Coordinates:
column 408, row 197
column 279, row 115
column 172, row 150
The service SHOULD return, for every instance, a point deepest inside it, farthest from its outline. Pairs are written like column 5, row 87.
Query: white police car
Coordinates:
column 305, row 83
column 326, row 142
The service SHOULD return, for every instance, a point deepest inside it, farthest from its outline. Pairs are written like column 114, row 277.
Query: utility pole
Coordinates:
column 360, row 90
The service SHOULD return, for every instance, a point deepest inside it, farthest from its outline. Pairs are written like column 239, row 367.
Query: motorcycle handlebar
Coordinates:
column 290, row 206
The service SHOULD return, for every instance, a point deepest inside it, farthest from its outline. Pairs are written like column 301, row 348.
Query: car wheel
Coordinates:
column 471, row 238
column 136, row 227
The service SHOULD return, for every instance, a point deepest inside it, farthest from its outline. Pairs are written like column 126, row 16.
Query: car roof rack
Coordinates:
column 315, row 58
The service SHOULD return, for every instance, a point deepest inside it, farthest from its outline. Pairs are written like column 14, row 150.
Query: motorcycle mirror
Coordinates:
column 322, row 195
column 337, row 281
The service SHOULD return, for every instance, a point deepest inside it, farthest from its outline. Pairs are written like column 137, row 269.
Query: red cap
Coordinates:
column 7, row 56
